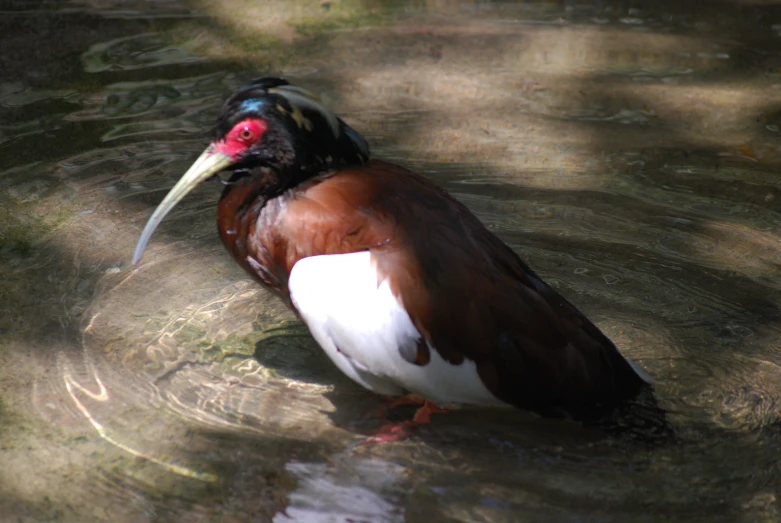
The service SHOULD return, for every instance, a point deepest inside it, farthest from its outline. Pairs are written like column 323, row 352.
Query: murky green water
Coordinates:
column 629, row 151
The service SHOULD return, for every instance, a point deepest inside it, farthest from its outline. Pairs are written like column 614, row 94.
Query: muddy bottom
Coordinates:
column 628, row 151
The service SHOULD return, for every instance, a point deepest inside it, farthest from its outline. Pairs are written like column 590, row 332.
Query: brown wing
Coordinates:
column 468, row 293
column 324, row 215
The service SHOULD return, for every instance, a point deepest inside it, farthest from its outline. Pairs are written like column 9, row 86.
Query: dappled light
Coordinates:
column 628, row 151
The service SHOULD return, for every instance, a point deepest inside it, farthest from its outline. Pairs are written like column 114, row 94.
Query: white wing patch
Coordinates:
column 361, row 325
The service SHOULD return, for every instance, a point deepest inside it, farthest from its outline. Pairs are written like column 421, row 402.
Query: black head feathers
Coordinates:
column 318, row 137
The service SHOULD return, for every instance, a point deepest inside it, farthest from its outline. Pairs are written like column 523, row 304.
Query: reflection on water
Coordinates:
column 628, row 153
column 134, row 52
column 348, row 489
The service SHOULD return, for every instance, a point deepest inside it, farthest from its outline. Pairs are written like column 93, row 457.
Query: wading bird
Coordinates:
column 400, row 284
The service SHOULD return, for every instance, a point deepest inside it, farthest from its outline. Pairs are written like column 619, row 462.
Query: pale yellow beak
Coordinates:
column 206, row 166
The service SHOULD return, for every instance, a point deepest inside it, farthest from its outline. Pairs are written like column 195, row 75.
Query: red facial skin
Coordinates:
column 243, row 135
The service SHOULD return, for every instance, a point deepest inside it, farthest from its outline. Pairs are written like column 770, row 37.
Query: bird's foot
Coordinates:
column 393, row 432
column 390, row 433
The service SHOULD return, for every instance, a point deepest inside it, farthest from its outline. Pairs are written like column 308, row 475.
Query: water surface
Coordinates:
column 628, row 151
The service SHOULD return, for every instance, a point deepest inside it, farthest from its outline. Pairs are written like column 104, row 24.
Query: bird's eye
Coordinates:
column 246, row 135
column 247, row 132
column 242, row 136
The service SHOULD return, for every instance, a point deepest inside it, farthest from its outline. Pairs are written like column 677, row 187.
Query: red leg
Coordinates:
column 423, row 414
column 391, row 402
column 398, row 431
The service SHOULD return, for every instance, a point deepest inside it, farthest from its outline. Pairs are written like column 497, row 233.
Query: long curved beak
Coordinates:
column 206, row 166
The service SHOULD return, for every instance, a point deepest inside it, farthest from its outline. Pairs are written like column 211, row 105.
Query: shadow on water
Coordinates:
column 627, row 150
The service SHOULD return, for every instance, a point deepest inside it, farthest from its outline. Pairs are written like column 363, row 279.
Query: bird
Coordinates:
column 401, row 285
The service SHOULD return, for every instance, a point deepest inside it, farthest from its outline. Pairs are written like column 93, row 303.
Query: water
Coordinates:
column 627, row 150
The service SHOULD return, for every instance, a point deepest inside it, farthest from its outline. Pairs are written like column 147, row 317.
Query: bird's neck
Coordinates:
column 241, row 202
column 245, row 217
